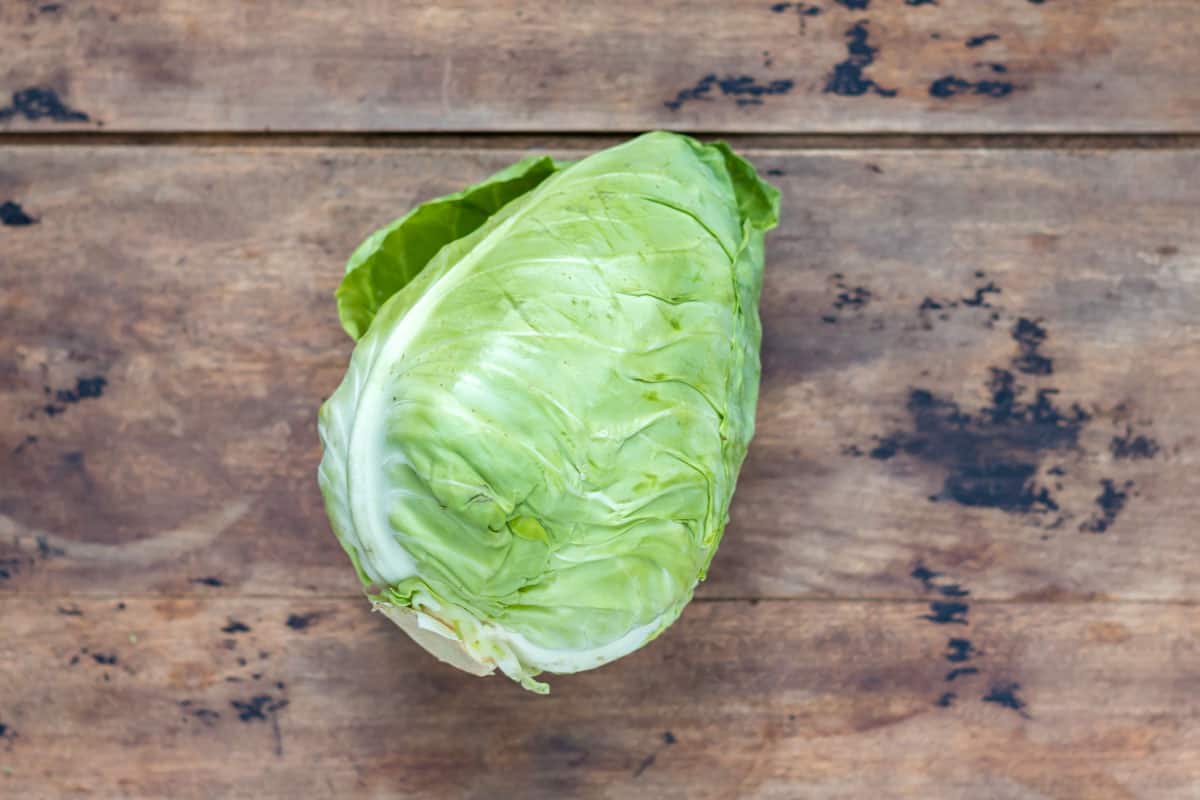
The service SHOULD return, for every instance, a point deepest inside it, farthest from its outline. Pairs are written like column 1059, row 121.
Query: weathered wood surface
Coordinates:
column 186, row 697
column 167, row 334
column 754, row 65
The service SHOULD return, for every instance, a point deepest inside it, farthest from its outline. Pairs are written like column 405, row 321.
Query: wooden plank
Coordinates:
column 753, row 65
column 153, row 698
column 196, row 283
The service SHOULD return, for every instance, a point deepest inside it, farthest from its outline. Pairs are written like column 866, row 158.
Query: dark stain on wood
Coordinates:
column 802, row 9
column 668, row 739
column 990, row 458
column 980, row 41
column 1005, row 696
column 847, row 78
column 45, row 550
column 994, row 457
column 235, row 626
column 856, row 298
column 947, row 613
column 979, row 298
column 932, row 308
column 925, row 575
column 846, row 299
column 258, row 707
column 87, row 388
column 960, row 671
column 25, row 443
column 299, row 622
column 1131, row 445
column 12, row 215
column 949, row 86
column 206, row 715
column 1110, row 502
column 744, row 89
column 39, row 102
column 1029, row 336
column 960, row 650
column 9, row 567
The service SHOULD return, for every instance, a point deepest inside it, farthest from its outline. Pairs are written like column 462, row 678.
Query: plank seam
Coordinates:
column 59, row 597
column 470, row 140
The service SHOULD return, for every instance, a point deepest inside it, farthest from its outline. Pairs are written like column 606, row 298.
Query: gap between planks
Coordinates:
column 517, row 140
column 231, row 593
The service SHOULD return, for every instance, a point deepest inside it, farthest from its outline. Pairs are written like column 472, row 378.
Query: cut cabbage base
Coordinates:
column 442, row 647
column 493, row 646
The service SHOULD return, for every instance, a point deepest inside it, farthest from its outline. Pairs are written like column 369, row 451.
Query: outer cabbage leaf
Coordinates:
column 393, row 255
column 531, row 457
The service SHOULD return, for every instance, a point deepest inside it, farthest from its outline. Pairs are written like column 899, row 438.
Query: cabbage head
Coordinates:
column 531, row 457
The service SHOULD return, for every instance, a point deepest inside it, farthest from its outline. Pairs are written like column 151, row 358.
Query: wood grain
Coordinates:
column 961, row 562
column 196, row 284
column 754, row 65
column 150, row 696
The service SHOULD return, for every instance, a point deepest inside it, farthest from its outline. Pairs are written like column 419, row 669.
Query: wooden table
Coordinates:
column 964, row 559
